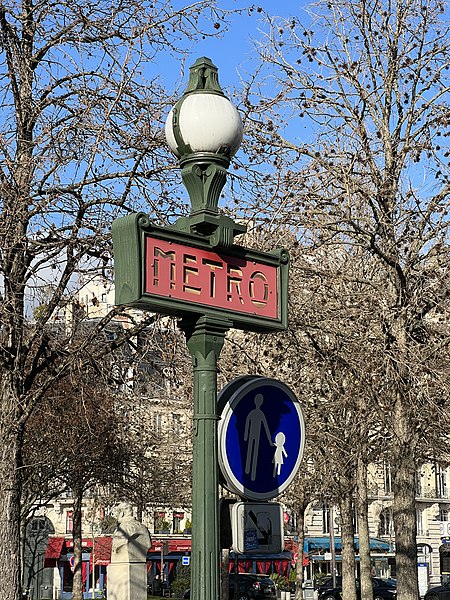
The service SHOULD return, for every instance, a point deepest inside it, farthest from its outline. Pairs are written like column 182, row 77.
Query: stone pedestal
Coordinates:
column 127, row 581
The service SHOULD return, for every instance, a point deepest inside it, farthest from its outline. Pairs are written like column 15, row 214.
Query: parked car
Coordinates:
column 251, row 587
column 383, row 589
column 440, row 592
column 327, row 584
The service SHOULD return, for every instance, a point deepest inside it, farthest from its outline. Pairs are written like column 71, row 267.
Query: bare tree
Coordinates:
column 369, row 82
column 298, row 497
column 78, row 425
column 80, row 141
column 158, row 423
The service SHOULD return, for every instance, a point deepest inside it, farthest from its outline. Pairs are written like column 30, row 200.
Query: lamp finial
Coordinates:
column 204, row 77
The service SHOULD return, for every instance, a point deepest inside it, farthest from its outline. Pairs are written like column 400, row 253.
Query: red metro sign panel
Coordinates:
column 173, row 272
column 205, row 277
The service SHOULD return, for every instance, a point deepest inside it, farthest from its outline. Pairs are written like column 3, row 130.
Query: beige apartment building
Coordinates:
column 433, row 526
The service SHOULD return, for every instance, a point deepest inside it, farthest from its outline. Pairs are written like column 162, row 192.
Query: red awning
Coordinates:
column 177, row 545
column 53, row 551
column 54, row 547
column 102, row 550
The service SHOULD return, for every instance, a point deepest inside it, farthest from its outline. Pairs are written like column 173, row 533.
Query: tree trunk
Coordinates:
column 225, row 572
column 10, row 588
column 405, row 525
column 363, row 531
column 77, row 589
column 404, row 476
column 299, row 592
column 348, row 548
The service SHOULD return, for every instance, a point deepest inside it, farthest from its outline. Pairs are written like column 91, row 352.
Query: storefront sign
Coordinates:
column 84, row 543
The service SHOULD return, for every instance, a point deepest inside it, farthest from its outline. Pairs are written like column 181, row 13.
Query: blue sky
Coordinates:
column 232, row 53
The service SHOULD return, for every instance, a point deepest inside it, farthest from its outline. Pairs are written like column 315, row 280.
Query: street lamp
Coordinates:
column 204, row 131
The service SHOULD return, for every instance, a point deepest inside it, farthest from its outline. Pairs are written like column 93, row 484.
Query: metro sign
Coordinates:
column 172, row 272
column 216, row 280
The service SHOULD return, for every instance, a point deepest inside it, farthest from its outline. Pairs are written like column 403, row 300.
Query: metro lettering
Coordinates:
column 190, row 273
column 259, row 292
column 213, row 280
column 234, row 280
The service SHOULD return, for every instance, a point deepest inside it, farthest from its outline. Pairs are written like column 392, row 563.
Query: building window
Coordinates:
column 424, row 555
column 419, row 483
column 157, row 423
column 161, row 525
column 387, row 478
column 386, row 524
column 441, row 482
column 419, row 521
column 69, row 521
column 177, row 424
column 325, row 518
column 38, row 525
column 177, row 518
column 443, row 514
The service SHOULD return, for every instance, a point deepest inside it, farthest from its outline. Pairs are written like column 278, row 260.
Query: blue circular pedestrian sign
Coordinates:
column 261, row 436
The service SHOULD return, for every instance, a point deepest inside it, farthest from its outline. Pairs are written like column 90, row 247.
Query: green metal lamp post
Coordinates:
column 194, row 271
column 204, row 130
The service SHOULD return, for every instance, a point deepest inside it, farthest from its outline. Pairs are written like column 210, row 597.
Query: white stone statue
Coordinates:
column 127, row 572
column 131, row 540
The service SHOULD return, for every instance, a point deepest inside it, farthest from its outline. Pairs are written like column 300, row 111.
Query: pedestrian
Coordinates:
column 157, row 586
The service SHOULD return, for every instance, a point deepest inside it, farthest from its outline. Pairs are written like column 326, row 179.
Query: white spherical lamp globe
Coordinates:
column 207, row 122
column 204, row 130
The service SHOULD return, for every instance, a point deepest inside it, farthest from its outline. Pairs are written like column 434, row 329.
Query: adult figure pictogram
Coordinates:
column 256, row 420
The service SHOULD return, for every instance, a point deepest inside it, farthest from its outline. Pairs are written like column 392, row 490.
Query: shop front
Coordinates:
column 319, row 553
column 163, row 558
column 96, row 555
column 444, row 559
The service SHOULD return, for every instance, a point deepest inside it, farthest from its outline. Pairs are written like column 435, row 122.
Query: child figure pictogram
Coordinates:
column 280, row 453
